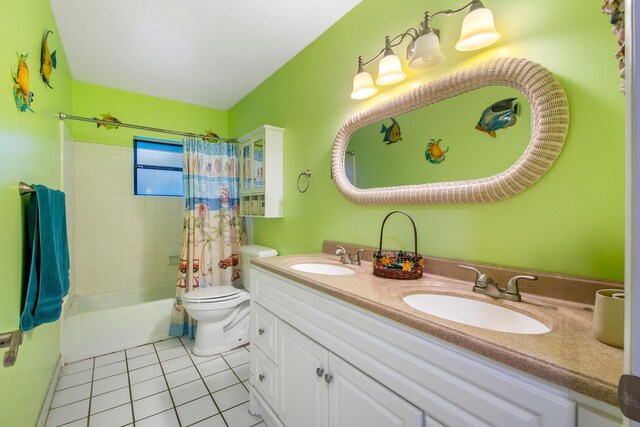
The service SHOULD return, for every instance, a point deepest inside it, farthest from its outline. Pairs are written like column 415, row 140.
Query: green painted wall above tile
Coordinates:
column 571, row 221
column 90, row 101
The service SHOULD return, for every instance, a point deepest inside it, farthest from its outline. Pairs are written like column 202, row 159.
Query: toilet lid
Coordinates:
column 213, row 293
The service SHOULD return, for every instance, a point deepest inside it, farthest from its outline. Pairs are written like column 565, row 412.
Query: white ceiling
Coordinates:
column 204, row 52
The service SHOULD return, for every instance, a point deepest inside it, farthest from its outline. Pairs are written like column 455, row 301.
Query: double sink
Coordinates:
column 459, row 309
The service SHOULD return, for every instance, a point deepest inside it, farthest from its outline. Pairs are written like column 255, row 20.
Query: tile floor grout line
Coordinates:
column 234, row 373
column 175, row 410
column 126, row 362
column 67, row 404
column 79, row 372
column 108, row 409
column 91, row 391
column 115, row 389
column 207, row 387
column 67, row 388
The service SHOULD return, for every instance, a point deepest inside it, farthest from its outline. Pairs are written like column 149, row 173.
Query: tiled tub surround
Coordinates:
column 122, row 241
column 569, row 355
column 156, row 385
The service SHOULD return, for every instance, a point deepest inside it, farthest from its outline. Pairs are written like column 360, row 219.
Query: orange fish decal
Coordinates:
column 21, row 89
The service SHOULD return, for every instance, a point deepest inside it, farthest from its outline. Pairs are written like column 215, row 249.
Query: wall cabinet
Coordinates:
column 338, row 365
column 261, row 172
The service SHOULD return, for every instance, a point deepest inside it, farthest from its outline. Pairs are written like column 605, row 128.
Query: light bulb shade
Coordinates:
column 390, row 70
column 426, row 52
column 363, row 86
column 478, row 30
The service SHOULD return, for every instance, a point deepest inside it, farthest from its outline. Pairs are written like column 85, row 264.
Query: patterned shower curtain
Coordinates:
column 213, row 229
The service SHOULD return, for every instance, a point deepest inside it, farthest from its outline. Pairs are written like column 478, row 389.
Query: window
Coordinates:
column 157, row 168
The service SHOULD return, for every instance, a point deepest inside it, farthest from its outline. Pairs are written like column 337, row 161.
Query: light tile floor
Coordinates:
column 156, row 385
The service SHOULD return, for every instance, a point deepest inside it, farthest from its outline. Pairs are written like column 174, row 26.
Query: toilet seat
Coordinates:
column 212, row 294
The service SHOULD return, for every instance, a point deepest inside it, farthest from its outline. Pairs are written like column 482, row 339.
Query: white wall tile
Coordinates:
column 121, row 241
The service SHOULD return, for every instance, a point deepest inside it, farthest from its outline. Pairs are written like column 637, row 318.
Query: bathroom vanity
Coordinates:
column 347, row 351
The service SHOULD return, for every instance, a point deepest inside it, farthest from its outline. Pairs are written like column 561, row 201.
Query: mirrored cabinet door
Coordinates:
column 258, row 167
column 261, row 173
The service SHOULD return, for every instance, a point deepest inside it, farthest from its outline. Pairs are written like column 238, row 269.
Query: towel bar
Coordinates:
column 25, row 188
column 13, row 341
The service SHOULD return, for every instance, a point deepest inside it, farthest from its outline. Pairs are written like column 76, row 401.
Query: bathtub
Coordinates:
column 112, row 321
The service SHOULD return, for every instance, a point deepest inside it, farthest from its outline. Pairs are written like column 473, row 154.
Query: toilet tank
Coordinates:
column 247, row 253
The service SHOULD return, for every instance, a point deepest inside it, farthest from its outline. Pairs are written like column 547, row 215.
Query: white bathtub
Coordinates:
column 112, row 321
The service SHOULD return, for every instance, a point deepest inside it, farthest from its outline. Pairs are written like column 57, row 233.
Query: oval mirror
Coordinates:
column 482, row 134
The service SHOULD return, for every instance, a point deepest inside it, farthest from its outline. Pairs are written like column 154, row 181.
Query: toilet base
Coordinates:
column 214, row 338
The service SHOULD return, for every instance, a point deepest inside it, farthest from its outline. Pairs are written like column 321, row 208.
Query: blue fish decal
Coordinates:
column 499, row 115
column 391, row 133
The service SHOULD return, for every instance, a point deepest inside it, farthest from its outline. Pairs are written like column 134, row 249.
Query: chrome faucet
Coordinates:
column 345, row 258
column 484, row 284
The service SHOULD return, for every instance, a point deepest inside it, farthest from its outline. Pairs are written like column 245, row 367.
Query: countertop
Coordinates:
column 569, row 355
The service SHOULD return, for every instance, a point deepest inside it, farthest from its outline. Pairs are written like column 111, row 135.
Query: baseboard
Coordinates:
column 44, row 413
column 263, row 409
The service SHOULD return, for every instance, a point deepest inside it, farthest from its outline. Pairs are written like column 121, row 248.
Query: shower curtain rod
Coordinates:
column 64, row 116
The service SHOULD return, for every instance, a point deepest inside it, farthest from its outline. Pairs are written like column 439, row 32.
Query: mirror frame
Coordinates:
column 550, row 122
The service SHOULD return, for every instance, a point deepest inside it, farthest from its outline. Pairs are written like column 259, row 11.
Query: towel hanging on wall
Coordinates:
column 48, row 280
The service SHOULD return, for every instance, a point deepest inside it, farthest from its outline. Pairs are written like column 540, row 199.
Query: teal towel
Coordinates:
column 48, row 280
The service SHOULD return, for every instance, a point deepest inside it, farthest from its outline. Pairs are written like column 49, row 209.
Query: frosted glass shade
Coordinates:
column 390, row 70
column 363, row 86
column 426, row 52
column 478, row 30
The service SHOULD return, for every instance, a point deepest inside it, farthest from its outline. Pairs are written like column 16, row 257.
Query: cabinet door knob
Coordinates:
column 328, row 378
column 261, row 331
column 261, row 377
column 319, row 372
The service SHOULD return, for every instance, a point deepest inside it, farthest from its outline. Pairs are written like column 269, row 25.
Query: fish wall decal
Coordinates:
column 499, row 115
column 48, row 61
column 107, row 118
column 211, row 134
column 391, row 133
column 21, row 88
column 434, row 153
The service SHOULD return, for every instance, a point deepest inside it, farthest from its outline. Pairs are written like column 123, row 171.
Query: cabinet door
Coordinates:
column 245, row 167
column 303, row 393
column 258, row 164
column 355, row 399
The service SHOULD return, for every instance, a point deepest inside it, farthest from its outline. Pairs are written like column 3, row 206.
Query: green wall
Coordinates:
column 571, row 221
column 90, row 101
column 30, row 151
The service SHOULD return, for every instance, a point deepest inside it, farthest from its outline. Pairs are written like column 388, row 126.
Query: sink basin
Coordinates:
column 327, row 269
column 476, row 313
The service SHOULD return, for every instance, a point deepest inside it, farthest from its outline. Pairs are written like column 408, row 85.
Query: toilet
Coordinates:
column 222, row 312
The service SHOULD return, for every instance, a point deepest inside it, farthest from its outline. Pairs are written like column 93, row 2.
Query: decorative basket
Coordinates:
column 398, row 264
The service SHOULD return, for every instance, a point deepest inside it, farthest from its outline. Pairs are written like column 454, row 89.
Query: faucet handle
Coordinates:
column 467, row 267
column 357, row 256
column 512, row 287
column 482, row 279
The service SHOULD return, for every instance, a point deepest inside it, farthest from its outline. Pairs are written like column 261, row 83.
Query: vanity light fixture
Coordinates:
column 478, row 31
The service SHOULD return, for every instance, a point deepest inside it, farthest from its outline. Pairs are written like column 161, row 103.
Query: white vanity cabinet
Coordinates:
column 381, row 373
column 319, row 389
column 261, row 172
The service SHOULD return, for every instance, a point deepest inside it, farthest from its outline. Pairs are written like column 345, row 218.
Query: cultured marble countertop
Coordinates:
column 569, row 355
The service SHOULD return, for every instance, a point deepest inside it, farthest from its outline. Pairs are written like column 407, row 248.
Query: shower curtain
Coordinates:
column 213, row 229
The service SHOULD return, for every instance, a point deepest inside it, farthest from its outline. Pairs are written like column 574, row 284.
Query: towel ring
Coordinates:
column 306, row 173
